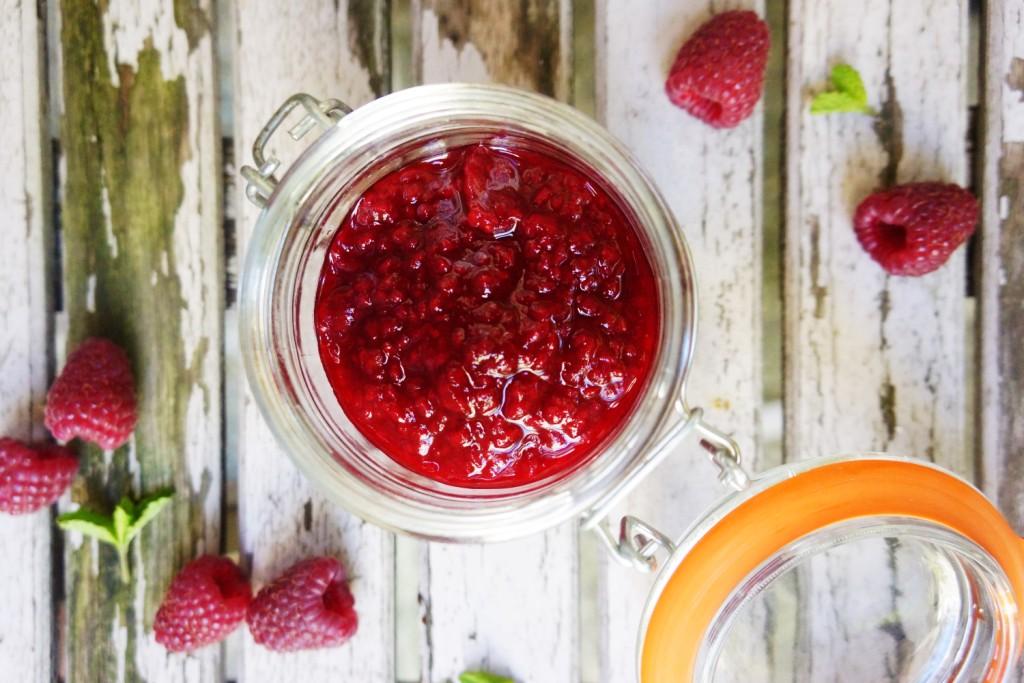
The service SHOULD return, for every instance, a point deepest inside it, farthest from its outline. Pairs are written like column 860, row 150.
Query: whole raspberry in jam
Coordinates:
column 487, row 317
column 94, row 396
column 913, row 229
column 205, row 602
column 309, row 606
column 33, row 477
column 718, row 74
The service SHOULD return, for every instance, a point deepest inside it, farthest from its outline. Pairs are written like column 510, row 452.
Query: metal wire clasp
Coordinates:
column 725, row 454
column 638, row 543
column 262, row 180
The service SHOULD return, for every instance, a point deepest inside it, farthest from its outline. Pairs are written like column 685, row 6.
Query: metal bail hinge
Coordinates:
column 725, row 454
column 638, row 544
column 261, row 179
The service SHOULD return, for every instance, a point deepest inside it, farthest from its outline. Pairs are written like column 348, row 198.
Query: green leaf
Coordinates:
column 147, row 509
column 482, row 677
column 122, row 520
column 846, row 79
column 831, row 102
column 848, row 94
column 90, row 524
column 123, row 525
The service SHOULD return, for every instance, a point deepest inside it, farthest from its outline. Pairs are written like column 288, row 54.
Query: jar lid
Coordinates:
column 960, row 576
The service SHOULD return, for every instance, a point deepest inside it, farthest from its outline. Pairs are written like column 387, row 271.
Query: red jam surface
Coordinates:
column 487, row 317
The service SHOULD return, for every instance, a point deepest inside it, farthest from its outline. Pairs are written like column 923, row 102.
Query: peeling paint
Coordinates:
column 818, row 291
column 126, row 138
column 90, row 294
column 119, row 638
column 111, row 237
column 367, row 24
column 887, row 407
column 888, row 128
column 445, row 60
column 129, row 27
column 1013, row 102
column 468, row 41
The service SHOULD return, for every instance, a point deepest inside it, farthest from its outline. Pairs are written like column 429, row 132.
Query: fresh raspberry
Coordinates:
column 913, row 229
column 718, row 74
column 309, row 606
column 33, row 477
column 94, row 397
column 204, row 603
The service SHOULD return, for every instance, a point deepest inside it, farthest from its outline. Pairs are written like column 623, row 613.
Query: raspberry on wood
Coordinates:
column 309, row 606
column 94, row 397
column 913, row 229
column 205, row 602
column 718, row 74
column 33, row 477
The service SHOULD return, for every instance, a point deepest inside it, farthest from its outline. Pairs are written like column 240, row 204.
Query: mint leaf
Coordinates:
column 121, row 526
column 846, row 79
column 88, row 523
column 147, row 509
column 831, row 102
column 848, row 94
column 122, row 520
column 482, row 677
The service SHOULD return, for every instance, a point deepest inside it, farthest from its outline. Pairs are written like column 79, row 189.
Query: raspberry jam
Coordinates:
column 487, row 317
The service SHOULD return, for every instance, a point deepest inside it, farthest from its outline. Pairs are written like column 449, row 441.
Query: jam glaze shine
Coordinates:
column 487, row 317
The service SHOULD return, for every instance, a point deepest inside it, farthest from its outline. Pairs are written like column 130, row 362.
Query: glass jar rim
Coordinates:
column 368, row 133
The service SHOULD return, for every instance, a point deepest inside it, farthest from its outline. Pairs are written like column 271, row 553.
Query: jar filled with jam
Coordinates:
column 468, row 315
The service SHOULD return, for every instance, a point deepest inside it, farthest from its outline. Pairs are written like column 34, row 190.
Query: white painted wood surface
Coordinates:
column 281, row 49
column 510, row 608
column 873, row 362
column 712, row 182
column 26, row 643
column 1001, row 277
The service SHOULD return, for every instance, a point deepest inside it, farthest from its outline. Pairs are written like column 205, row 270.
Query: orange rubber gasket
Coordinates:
column 762, row 526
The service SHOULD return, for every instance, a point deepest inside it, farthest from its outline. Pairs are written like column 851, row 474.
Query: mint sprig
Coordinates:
column 120, row 527
column 848, row 93
column 482, row 677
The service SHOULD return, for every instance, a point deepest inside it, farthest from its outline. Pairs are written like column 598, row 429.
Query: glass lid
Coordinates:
column 863, row 568
column 875, row 599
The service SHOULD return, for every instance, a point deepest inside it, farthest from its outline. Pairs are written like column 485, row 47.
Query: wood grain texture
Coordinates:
column 142, row 266
column 510, row 608
column 328, row 49
column 27, row 642
column 526, row 44
column 872, row 362
column 1001, row 262
column 711, row 180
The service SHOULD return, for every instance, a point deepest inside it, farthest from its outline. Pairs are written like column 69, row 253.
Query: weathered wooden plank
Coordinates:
column 712, row 182
column 1001, row 262
column 511, row 608
column 329, row 49
column 142, row 265
column 27, row 643
column 872, row 362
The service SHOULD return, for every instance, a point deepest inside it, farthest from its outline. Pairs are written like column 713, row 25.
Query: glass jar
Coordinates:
column 282, row 270
column 969, row 576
